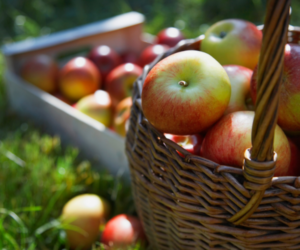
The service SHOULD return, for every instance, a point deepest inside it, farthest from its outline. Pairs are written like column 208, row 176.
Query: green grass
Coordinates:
column 37, row 177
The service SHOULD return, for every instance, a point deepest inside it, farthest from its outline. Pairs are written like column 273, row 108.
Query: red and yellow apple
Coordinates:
column 233, row 41
column 83, row 215
column 42, row 71
column 97, row 106
column 226, row 142
column 289, row 93
column 122, row 231
column 122, row 114
column 185, row 93
column 240, row 78
column 169, row 36
column 78, row 78
column 150, row 53
column 119, row 82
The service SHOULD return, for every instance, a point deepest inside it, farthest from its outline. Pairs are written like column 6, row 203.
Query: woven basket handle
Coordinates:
column 259, row 163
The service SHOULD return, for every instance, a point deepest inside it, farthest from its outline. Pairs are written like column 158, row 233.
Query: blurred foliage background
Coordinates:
column 21, row 19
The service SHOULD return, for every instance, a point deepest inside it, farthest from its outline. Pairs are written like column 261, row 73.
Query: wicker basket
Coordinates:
column 193, row 203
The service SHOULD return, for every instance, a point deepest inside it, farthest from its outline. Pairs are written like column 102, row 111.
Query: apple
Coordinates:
column 78, row 78
column 129, row 57
column 233, row 41
column 122, row 114
column 97, row 106
column 42, row 71
column 289, row 93
column 83, row 215
column 240, row 78
column 105, row 58
column 294, row 167
column 191, row 143
column 226, row 142
column 122, row 231
column 119, row 82
column 185, row 93
column 150, row 53
column 169, row 36
column 63, row 98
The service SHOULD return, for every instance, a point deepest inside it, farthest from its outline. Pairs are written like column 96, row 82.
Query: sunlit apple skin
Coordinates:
column 122, row 231
column 122, row 115
column 169, row 36
column 78, row 78
column 86, row 212
column 41, row 71
column 289, row 94
column 233, row 41
column 240, row 78
column 150, row 53
column 191, row 143
column 97, row 106
column 119, row 82
column 226, row 142
column 174, row 107
column 105, row 58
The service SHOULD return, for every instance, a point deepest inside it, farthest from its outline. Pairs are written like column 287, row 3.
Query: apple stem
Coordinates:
column 183, row 83
column 223, row 34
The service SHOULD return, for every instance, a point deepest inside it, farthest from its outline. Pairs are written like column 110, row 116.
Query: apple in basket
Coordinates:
column 185, row 93
column 150, row 53
column 289, row 94
column 42, row 71
column 123, row 231
column 294, row 167
column 98, row 106
column 119, row 82
column 122, row 114
column 240, row 78
column 78, row 78
column 226, row 142
column 233, row 41
column 169, row 36
column 82, row 216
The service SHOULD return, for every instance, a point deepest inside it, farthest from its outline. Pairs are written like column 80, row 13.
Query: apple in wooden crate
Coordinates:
column 42, row 71
column 78, row 78
column 233, row 41
column 169, row 36
column 122, row 114
column 150, row 53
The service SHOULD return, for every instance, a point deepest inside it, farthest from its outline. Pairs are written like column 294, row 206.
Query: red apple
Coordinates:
column 41, row 71
column 294, row 167
column 122, row 231
column 240, row 78
column 233, row 41
column 226, row 142
column 169, row 36
column 289, row 93
column 191, row 143
column 97, row 106
column 129, row 57
column 122, row 115
column 185, row 93
column 84, row 214
column 78, row 78
column 119, row 82
column 105, row 58
column 150, row 53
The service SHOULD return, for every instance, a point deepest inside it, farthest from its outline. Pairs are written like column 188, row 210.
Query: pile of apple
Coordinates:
column 204, row 100
column 100, row 83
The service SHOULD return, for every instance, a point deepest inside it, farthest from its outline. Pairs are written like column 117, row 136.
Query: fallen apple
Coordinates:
column 185, row 93
column 226, row 142
column 233, row 41
column 150, row 53
column 122, row 115
column 78, row 78
column 42, row 71
column 169, row 36
column 82, row 216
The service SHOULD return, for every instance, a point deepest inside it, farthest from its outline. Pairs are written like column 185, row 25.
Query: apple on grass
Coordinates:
column 119, row 82
column 81, row 217
column 78, row 78
column 42, row 71
column 233, row 41
column 97, row 106
column 169, row 36
column 150, row 53
column 226, row 142
column 240, row 78
column 122, row 231
column 185, row 93
column 122, row 114
column 289, row 93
